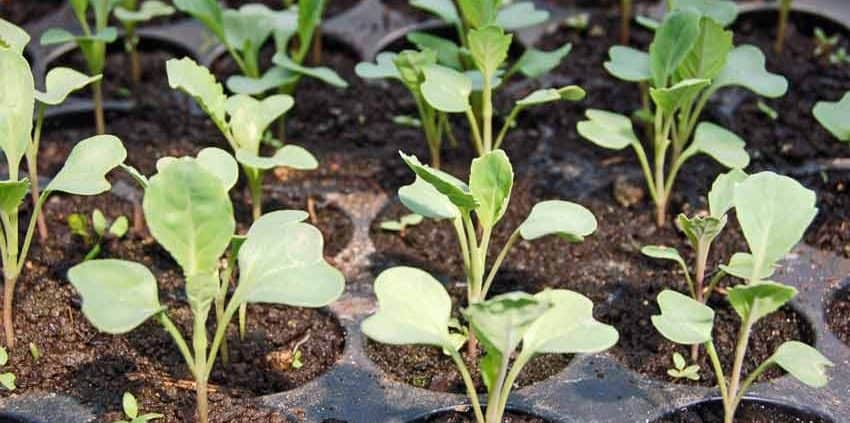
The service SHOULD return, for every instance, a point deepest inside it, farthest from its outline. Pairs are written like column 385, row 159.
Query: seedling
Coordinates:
column 242, row 120
column 782, row 25
column 100, row 229
column 92, row 43
column 130, row 13
column 767, row 110
column 131, row 411
column 82, row 174
column 690, row 59
column 7, row 379
column 839, row 57
column 824, row 44
column 681, row 370
column 774, row 212
column 833, row 116
column 188, row 211
column 414, row 308
column 35, row 352
column 401, row 224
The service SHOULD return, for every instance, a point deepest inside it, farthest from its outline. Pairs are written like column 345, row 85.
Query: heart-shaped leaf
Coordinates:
column 60, row 82
column 12, row 193
column 628, row 64
column 383, row 68
column 322, row 73
column 118, row 295
column 273, row 78
column 17, row 101
column 86, row 167
column 217, row 161
column 721, row 144
column 446, row 89
column 833, row 117
column 683, row 320
column 745, row 67
column 673, row 41
column 197, row 81
column 757, row 300
column 721, row 198
column 292, row 156
column 556, row 217
column 13, row 37
column 454, row 189
column 803, row 362
column 445, row 9
column 568, row 327
column 491, row 178
column 250, row 117
column 664, row 253
column 520, row 15
column 503, row 320
column 535, row 63
column 422, row 198
column 148, row 10
column 608, row 130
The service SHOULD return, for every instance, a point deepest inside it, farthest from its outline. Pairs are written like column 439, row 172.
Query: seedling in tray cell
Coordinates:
column 131, row 14
column 835, row 117
column 131, row 410
column 97, row 230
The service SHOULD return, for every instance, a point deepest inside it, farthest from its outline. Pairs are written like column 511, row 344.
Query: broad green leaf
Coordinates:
column 61, row 82
column 708, row 57
column 197, row 81
column 61, row 36
column 86, row 167
column 118, row 295
column 423, row 199
column 683, row 320
column 146, row 11
column 608, row 130
column 556, row 217
column 215, row 160
column 448, row 53
column 757, row 300
column 723, row 12
column 119, row 227
column 520, row 15
column 568, row 327
column 548, row 95
column 392, row 225
column 292, row 156
column 628, row 64
column 673, row 41
column 489, row 48
column 665, row 253
column 250, row 117
column 413, row 308
column 411, row 65
column 721, row 144
column 774, row 212
column 741, row 266
column 671, row 99
column 722, row 195
column 189, row 213
column 322, row 73
column 248, row 28
column 803, row 362
column 535, row 63
column 445, row 9
column 835, row 117
column 383, row 68
column 503, row 320
column 490, row 364
column 745, row 67
column 446, row 89
column 208, row 12
column 273, row 78
column 130, row 406
column 454, row 189
column 491, row 178
column 13, row 36
column 17, row 103
column 8, row 381
column 479, row 13
column 282, row 262
column 309, row 17
column 12, row 194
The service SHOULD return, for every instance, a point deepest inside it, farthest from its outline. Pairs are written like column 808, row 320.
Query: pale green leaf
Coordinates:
column 8, row 381
column 568, row 327
column 148, row 10
column 273, row 78
column 249, row 117
column 723, row 12
column 12, row 194
column 248, row 28
column 322, row 73
column 448, row 53
column 628, row 64
column 757, row 300
column 803, row 362
column 741, row 266
column 207, row 12
column 535, row 63
column 835, row 117
column 665, row 253
column 131, row 407
column 446, row 89
column 556, row 217
column 445, row 9
column 671, row 99
column 383, row 68
column 491, row 179
column 721, row 144
column 17, row 103
column 197, row 81
column 503, row 320
column 85, row 169
column 673, row 41
column 489, row 48
column 98, row 222
column 745, row 67
column 479, row 13
column 60, row 82
column 422, row 198
column 708, row 57
column 520, row 15
column 291, row 156
column 548, row 95
column 13, row 36
column 453, row 188
column 608, row 130
column 683, row 320
column 119, row 227
column 722, row 195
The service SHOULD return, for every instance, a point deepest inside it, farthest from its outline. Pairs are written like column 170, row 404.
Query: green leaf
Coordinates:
column 673, row 41
column 322, row 73
column 248, row 28
column 17, row 102
column 60, row 82
column 679, row 361
column 250, row 117
column 664, row 253
column 8, row 381
column 723, row 12
column 98, row 221
column 383, row 68
column 535, row 63
column 745, row 67
column 189, row 213
column 445, row 9
column 757, row 300
column 273, row 78
column 683, row 320
column 291, row 156
column 411, row 219
column 491, row 178
column 490, row 365
column 556, row 217
column 12, row 194
column 85, row 169
column 215, row 160
column 568, row 327
column 61, row 36
column 700, row 229
column 454, row 189
column 834, row 117
column 520, row 15
column 119, row 227
column 413, row 308
column 721, row 144
column 708, row 57
column 446, row 89
column 448, row 52
column 479, row 13
column 13, row 36
column 548, row 95
column 423, row 199
column 741, row 266
column 803, row 362
column 148, row 10
column 628, row 64
column 4, row 356
column 208, row 12
column 503, row 320
column 489, row 48
column 282, row 262
column 118, row 295
column 774, row 212
column 608, row 130
column 671, row 99
column 309, row 17
column 197, row 81
column 411, row 66
column 131, row 407
column 721, row 198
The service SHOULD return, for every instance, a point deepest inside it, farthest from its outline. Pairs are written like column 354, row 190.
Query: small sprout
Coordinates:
column 824, row 44
column 402, row 224
column 768, row 111
column 680, row 371
column 405, row 120
column 35, row 352
column 7, row 379
column 100, row 230
column 131, row 411
column 839, row 57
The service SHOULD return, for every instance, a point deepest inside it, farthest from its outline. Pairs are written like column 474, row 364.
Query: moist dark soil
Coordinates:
column 22, row 12
column 469, row 417
column 96, row 368
column 837, row 313
column 748, row 412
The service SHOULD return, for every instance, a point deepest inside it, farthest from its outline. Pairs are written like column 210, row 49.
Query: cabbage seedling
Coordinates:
column 188, row 211
column 242, row 120
column 92, row 42
column 82, row 174
column 414, row 308
column 774, row 212
column 690, row 59
column 130, row 13
column 402, row 224
column 101, row 228
column 681, row 369
column 834, row 117
column 131, row 410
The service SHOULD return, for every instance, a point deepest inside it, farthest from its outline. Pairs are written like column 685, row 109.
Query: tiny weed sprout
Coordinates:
column 188, row 211
column 402, row 223
column 131, row 411
column 768, row 111
column 773, row 212
column 92, row 42
column 824, row 44
column 99, row 230
column 130, row 13
column 834, row 117
column 414, row 308
column 681, row 369
column 689, row 60
column 35, row 352
column 242, row 120
column 82, row 174
column 782, row 25
column 7, row 379
column 446, row 78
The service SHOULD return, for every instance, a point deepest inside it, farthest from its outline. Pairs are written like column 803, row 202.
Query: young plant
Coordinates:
column 82, row 174
column 242, row 120
column 92, row 42
column 130, row 13
column 131, row 410
column 101, row 228
column 833, row 116
column 782, row 25
column 7, row 379
column 402, row 224
column 774, row 212
column 681, row 370
column 188, row 211
column 824, row 44
column 690, row 59
column 414, row 308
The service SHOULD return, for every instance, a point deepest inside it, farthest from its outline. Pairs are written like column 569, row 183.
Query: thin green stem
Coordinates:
column 172, row 330
column 30, row 229
column 738, row 365
column 520, row 362
column 464, row 250
column 475, row 264
column 498, row 263
column 494, row 414
column 476, row 133
column 647, row 171
column 487, row 113
column 712, row 285
column 32, row 167
column 470, row 387
column 507, row 125
column 718, row 370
